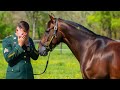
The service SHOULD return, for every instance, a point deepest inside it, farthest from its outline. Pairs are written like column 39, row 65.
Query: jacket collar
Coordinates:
column 15, row 38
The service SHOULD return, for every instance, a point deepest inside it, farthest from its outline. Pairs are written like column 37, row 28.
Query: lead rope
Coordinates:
column 45, row 66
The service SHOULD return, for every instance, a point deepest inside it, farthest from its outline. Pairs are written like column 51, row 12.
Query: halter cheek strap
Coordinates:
column 55, row 27
column 53, row 36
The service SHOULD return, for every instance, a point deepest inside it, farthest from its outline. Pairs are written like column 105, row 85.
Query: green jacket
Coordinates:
column 18, row 58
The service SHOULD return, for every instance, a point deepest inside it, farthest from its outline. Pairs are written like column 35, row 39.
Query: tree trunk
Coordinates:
column 33, row 36
column 109, row 31
column 115, row 35
column 34, row 25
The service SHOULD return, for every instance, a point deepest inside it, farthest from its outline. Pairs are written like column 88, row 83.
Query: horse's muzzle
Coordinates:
column 43, row 51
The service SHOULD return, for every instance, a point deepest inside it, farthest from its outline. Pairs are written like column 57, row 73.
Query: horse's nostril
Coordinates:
column 43, row 51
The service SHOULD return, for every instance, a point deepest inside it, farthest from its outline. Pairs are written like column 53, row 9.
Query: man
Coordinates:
column 17, row 50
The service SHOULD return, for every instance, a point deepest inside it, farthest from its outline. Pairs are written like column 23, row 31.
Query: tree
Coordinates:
column 32, row 17
column 106, row 22
column 115, row 24
column 6, row 24
column 37, row 21
column 101, row 20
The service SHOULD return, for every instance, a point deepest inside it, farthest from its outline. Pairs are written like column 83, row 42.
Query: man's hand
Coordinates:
column 21, row 40
column 27, row 41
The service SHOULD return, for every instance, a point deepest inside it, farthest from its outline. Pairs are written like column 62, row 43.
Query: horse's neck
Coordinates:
column 76, row 41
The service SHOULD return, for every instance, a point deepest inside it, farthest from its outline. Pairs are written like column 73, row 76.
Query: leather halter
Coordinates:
column 53, row 36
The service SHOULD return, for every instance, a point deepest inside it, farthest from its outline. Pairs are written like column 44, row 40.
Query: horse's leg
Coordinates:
column 84, row 76
column 114, row 78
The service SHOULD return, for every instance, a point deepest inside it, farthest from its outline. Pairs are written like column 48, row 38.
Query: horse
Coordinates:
column 98, row 56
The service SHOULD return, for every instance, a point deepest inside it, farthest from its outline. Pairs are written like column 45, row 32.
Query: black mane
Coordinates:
column 83, row 29
column 80, row 27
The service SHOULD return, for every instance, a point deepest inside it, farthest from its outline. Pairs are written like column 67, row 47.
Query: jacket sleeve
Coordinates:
column 33, row 52
column 9, row 52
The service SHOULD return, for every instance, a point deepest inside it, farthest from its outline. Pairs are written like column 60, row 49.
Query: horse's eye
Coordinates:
column 47, row 30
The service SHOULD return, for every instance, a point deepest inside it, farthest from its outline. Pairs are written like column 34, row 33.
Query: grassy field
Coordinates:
column 60, row 66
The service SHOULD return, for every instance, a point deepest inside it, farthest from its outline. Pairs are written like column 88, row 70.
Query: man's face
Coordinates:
column 21, row 32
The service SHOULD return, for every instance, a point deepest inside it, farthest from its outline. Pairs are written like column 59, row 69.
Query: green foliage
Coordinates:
column 37, row 21
column 104, row 22
column 93, row 19
column 6, row 25
column 6, row 30
column 116, row 24
column 94, row 23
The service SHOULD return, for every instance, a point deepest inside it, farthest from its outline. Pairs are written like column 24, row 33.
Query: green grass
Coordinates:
column 60, row 66
column 3, row 64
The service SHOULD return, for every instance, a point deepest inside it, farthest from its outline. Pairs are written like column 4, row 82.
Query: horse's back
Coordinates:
column 105, row 60
column 114, row 63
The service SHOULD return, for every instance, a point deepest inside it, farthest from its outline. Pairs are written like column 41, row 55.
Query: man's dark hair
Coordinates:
column 24, row 25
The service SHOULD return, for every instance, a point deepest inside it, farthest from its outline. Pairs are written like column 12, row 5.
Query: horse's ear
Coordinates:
column 51, row 17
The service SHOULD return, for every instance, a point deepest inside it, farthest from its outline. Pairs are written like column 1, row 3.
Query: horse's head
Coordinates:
column 51, row 37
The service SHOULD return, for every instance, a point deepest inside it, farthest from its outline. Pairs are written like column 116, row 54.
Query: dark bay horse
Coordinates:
column 99, row 56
